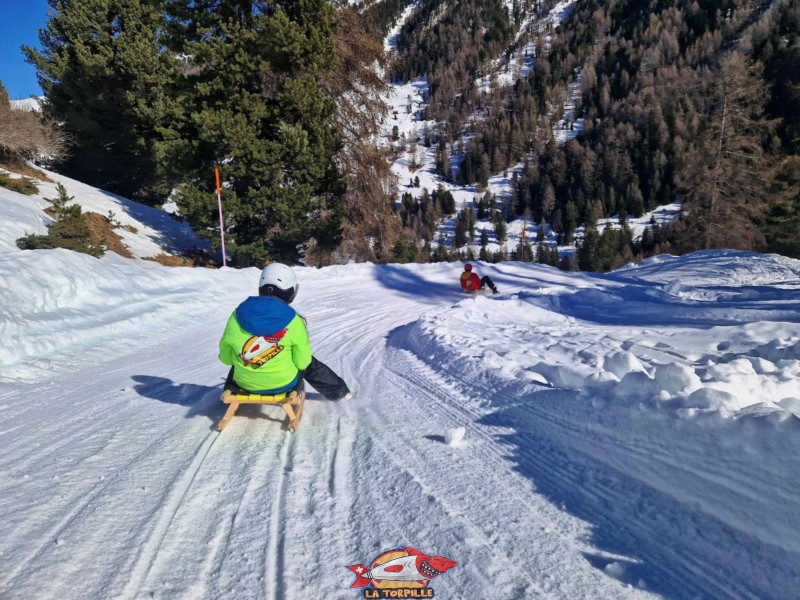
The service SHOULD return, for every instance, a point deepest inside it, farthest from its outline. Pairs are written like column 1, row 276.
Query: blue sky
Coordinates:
column 20, row 21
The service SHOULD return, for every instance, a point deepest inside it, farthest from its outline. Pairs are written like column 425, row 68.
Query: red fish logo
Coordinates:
column 406, row 569
column 259, row 349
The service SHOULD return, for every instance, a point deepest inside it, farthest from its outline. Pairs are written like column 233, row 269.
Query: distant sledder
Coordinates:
column 266, row 343
column 471, row 282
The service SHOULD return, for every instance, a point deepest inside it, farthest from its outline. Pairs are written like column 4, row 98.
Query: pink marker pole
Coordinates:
column 221, row 221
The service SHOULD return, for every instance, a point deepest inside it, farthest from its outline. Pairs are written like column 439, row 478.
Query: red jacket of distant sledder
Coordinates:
column 470, row 281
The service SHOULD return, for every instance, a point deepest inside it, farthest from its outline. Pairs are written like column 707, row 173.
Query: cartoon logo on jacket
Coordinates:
column 402, row 573
column 259, row 349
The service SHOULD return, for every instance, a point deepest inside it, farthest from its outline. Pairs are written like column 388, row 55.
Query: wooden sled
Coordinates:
column 291, row 402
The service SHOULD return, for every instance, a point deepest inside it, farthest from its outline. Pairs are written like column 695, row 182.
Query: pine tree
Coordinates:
column 471, row 222
column 251, row 103
column 607, row 257
column 726, row 177
column 448, row 202
column 405, row 250
column 462, row 228
column 440, row 254
column 567, row 262
column 484, row 171
column 647, row 242
column 588, row 250
column 541, row 253
column 483, row 205
column 59, row 203
column 500, row 228
column 783, row 218
column 548, row 200
column 442, row 159
column 572, row 222
column 105, row 72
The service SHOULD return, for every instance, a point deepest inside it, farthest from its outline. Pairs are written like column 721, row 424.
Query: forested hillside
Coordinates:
column 652, row 103
column 153, row 95
column 695, row 101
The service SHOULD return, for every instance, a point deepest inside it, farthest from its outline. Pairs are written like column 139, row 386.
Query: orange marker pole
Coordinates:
column 221, row 222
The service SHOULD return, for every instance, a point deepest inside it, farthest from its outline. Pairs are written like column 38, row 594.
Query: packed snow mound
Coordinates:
column 455, row 436
column 711, row 377
column 145, row 231
column 641, row 342
column 724, row 270
column 61, row 307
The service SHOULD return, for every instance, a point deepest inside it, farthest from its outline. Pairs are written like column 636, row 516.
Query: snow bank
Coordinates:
column 706, row 381
column 33, row 104
column 60, row 307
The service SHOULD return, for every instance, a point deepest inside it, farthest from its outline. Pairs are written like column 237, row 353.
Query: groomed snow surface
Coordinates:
column 633, row 435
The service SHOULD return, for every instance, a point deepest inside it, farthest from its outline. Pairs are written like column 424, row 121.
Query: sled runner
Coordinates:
column 291, row 402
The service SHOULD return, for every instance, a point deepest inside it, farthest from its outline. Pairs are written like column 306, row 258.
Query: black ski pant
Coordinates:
column 324, row 380
column 487, row 282
column 317, row 373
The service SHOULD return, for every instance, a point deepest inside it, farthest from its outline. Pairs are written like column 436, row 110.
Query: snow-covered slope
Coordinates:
column 407, row 103
column 627, row 436
column 32, row 104
column 145, row 231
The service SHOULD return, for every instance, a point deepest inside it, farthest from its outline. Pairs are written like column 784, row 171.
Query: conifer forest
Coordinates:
column 688, row 101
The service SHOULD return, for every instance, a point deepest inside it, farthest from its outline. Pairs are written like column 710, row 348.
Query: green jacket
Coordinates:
column 267, row 343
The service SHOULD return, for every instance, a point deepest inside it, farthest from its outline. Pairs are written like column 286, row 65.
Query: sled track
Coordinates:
column 81, row 506
column 632, row 523
column 437, row 401
column 274, row 560
column 254, row 483
column 152, row 544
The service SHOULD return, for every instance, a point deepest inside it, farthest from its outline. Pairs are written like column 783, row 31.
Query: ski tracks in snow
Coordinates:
column 636, row 534
column 256, row 512
column 167, row 512
column 489, row 510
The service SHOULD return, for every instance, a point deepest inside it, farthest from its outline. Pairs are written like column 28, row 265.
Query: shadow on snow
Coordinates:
column 203, row 401
column 407, row 281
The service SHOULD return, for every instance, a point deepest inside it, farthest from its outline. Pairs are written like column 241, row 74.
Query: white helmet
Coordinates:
column 278, row 280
